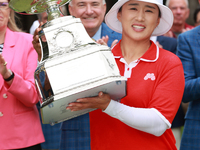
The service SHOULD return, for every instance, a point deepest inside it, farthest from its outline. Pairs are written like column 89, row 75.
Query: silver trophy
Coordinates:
column 72, row 66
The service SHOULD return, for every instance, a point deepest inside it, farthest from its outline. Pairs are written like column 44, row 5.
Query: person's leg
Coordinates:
column 177, row 135
column 76, row 134
column 191, row 135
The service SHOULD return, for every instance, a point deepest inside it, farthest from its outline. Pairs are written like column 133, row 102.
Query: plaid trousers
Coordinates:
column 76, row 133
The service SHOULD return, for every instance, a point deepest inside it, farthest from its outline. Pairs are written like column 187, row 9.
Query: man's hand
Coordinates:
column 187, row 29
column 159, row 45
column 114, row 43
column 104, row 41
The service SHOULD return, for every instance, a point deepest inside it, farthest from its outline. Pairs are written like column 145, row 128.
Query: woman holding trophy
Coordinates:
column 20, row 126
column 155, row 83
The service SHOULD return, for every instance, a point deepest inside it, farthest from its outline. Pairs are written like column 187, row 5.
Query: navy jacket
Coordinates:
column 168, row 43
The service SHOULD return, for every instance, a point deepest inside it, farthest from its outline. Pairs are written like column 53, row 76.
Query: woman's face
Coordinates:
column 4, row 14
column 139, row 19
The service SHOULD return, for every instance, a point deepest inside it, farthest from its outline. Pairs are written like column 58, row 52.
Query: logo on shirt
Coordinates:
column 150, row 76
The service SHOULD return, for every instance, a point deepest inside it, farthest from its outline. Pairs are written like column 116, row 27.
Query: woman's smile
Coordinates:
column 138, row 28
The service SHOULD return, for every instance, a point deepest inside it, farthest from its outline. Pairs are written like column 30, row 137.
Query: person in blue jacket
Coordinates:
column 188, row 50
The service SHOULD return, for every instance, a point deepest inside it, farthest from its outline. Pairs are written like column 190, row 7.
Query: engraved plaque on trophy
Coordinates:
column 72, row 66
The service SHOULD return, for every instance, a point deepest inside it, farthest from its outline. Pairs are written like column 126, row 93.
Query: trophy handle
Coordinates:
column 44, row 46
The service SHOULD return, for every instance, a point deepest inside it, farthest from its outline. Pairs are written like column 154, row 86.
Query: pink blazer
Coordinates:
column 19, row 119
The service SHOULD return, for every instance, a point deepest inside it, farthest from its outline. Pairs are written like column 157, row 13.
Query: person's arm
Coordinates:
column 160, row 110
column 23, row 85
column 190, row 62
column 147, row 120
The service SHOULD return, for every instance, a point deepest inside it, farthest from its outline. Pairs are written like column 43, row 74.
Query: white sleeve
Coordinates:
column 149, row 120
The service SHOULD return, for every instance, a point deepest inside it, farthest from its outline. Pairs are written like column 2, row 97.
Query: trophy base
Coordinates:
column 56, row 111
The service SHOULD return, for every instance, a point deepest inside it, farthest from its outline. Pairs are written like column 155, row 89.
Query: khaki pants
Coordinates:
column 177, row 135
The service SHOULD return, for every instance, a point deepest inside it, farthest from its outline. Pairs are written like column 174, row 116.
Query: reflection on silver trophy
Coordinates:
column 72, row 66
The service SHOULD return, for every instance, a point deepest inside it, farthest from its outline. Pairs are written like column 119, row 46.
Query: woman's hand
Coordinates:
column 99, row 102
column 3, row 69
column 36, row 43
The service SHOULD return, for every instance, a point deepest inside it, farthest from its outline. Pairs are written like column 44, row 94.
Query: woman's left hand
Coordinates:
column 100, row 102
column 3, row 69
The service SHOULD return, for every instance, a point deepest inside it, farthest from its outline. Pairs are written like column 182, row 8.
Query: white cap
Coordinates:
column 164, row 26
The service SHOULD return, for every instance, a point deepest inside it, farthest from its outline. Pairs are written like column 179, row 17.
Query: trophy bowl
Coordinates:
column 72, row 66
column 35, row 6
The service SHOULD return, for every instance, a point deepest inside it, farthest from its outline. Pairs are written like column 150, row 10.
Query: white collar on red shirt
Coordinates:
column 128, row 67
column 157, row 55
column 146, row 57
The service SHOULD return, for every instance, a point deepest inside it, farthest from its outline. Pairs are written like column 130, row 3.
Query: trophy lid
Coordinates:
column 34, row 6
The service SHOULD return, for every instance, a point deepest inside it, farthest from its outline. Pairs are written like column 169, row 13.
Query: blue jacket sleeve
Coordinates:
column 188, row 50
